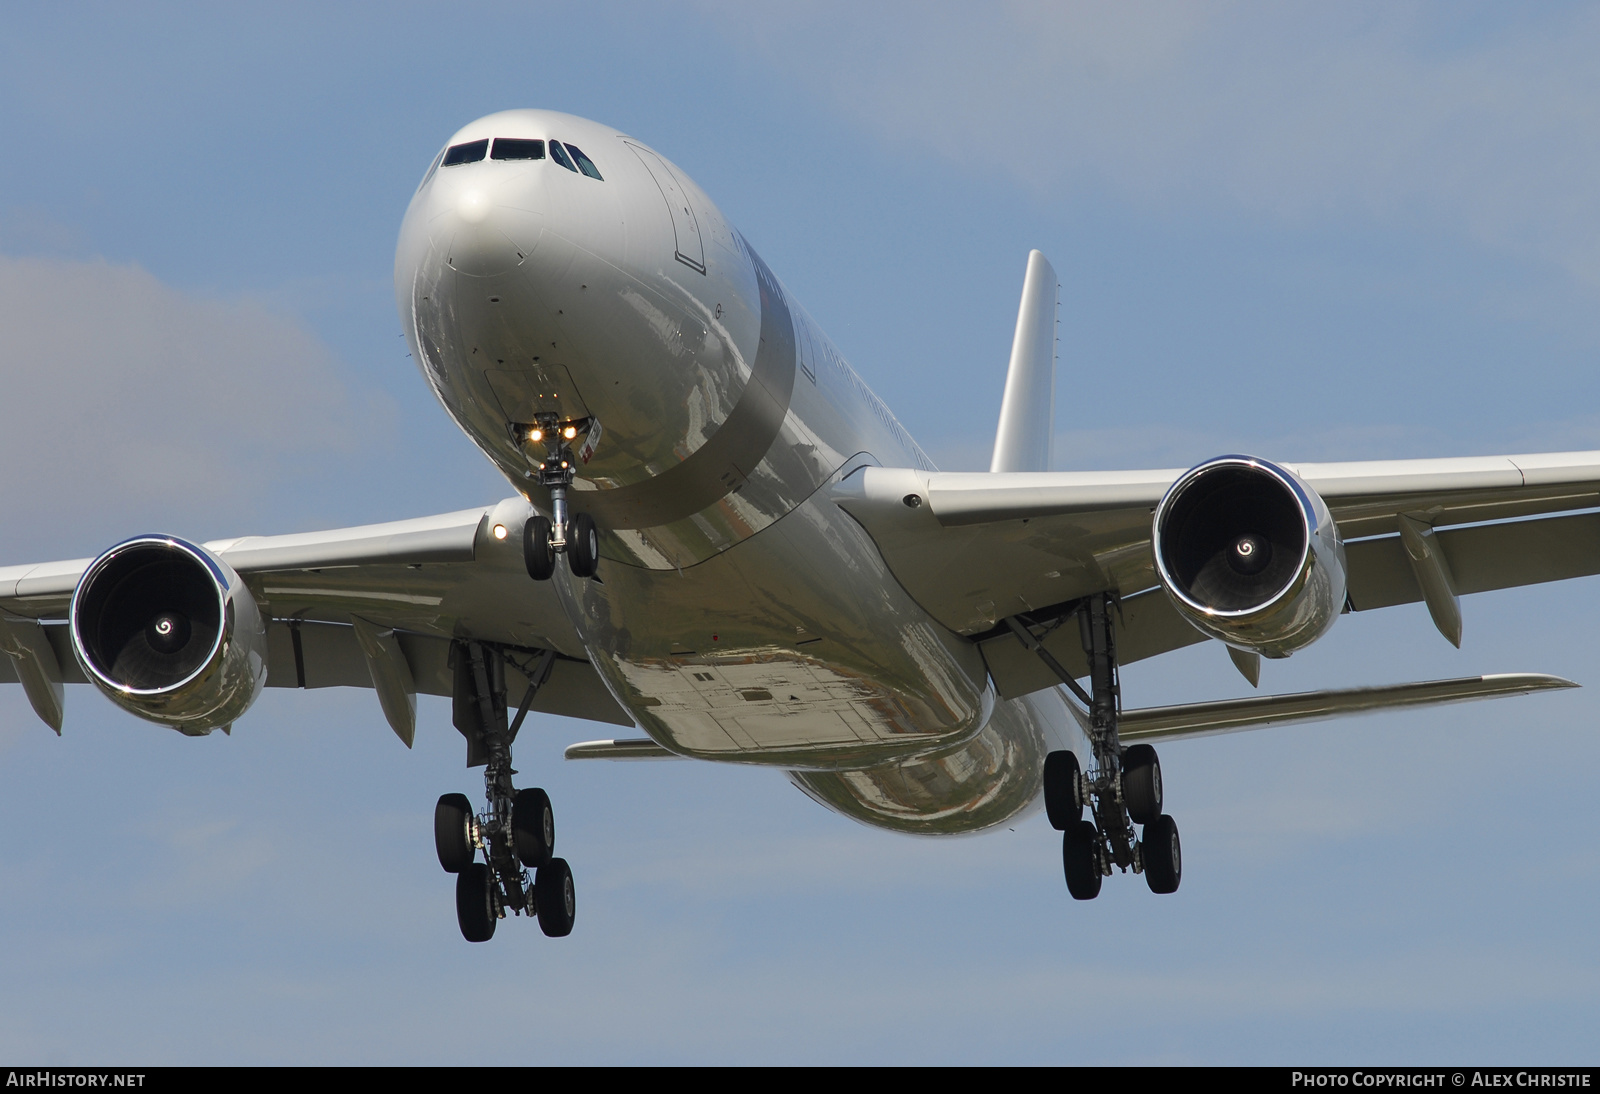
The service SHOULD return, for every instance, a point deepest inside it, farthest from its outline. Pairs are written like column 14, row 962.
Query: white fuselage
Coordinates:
column 741, row 615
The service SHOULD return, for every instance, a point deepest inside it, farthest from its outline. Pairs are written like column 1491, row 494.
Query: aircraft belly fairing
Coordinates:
column 795, row 649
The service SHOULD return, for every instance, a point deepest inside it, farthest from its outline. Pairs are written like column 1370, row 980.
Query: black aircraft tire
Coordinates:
column 557, row 899
column 1163, row 857
column 1078, row 845
column 452, row 832
column 1141, row 783
column 475, row 903
column 1062, row 803
column 583, row 546
column 537, row 554
column 533, row 827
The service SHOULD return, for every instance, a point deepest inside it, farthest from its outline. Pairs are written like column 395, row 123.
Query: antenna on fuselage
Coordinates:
column 1027, row 410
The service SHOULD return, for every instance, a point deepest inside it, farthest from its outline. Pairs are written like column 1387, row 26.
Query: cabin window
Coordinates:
column 471, row 152
column 585, row 164
column 514, row 148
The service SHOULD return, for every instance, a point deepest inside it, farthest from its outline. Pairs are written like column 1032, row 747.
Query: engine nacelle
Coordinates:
column 169, row 632
column 1250, row 555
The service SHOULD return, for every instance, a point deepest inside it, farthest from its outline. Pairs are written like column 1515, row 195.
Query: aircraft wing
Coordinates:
column 426, row 582
column 975, row 548
column 1186, row 720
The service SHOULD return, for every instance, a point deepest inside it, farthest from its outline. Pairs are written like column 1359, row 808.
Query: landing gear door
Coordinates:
column 685, row 226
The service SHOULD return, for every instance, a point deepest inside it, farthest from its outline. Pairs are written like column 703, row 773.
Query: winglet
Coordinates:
column 1027, row 411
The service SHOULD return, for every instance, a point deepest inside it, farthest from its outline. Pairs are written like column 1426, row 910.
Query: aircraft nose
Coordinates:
column 484, row 230
column 472, row 207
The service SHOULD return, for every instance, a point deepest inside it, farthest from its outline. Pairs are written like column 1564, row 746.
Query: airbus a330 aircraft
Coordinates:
column 721, row 540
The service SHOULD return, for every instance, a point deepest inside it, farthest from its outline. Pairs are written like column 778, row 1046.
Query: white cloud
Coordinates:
column 1384, row 111
column 126, row 404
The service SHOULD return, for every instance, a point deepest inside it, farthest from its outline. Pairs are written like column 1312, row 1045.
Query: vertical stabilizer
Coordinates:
column 1027, row 412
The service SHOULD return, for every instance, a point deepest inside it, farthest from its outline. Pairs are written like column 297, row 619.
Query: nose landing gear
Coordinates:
column 1123, row 788
column 575, row 536
column 517, row 832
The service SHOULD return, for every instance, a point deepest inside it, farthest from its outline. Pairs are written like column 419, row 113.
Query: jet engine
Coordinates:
column 1250, row 554
column 170, row 632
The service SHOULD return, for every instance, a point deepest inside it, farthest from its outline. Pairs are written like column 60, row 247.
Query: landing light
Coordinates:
column 499, row 531
column 535, row 434
column 570, row 432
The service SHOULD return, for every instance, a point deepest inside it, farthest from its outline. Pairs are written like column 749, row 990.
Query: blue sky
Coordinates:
column 1309, row 232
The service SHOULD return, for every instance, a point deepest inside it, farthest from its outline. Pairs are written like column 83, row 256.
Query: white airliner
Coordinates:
column 722, row 541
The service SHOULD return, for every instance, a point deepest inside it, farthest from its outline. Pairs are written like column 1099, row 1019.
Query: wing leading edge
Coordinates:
column 377, row 606
column 975, row 548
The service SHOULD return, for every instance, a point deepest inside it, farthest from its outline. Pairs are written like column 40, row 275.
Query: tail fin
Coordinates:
column 1027, row 412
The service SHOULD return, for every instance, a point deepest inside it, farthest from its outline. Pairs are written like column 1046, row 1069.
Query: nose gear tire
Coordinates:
column 537, row 552
column 583, row 546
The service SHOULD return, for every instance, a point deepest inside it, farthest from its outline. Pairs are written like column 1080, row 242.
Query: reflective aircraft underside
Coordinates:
column 742, row 615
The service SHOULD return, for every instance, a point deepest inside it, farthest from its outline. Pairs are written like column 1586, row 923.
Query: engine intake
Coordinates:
column 1250, row 554
column 169, row 632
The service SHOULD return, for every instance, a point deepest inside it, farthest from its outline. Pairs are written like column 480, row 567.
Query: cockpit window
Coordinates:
column 559, row 154
column 432, row 167
column 513, row 148
column 471, row 152
column 585, row 164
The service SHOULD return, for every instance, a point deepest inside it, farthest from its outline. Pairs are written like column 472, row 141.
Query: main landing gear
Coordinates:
column 575, row 536
column 517, row 832
column 1122, row 789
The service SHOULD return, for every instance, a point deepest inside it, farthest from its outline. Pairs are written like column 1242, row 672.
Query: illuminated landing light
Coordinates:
column 499, row 531
column 570, row 432
column 535, row 435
